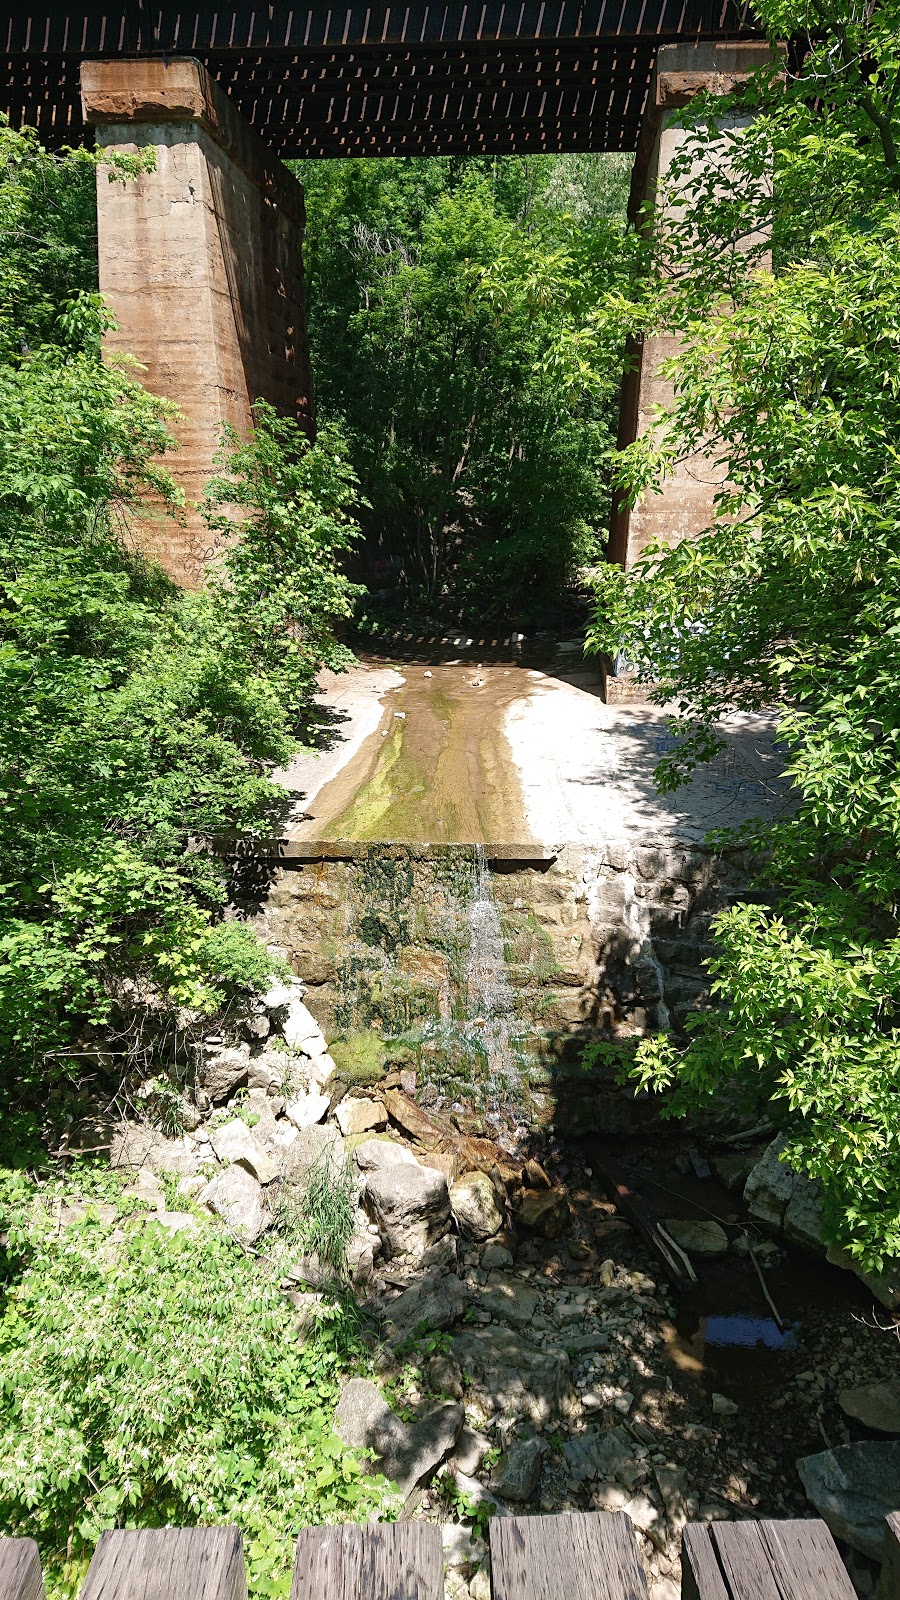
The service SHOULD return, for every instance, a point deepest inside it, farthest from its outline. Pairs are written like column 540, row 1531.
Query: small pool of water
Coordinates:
column 746, row 1333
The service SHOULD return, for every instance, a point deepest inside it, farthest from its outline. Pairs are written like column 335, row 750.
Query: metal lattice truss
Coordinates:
column 415, row 77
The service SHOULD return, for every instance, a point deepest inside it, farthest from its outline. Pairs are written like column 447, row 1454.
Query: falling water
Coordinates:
column 490, row 997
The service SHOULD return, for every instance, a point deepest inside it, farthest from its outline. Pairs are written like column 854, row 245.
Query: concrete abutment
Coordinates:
column 201, row 264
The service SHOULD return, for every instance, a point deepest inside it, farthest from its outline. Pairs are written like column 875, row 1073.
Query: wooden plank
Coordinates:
column 744, row 1560
column 701, row 1575
column 385, row 1561
column 587, row 1556
column 168, row 1564
column 20, row 1570
column 805, row 1560
column 889, row 1582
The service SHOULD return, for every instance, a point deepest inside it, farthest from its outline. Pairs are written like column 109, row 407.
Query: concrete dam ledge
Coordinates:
column 513, row 853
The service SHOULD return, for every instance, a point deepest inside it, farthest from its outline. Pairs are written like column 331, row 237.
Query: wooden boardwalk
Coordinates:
column 586, row 1556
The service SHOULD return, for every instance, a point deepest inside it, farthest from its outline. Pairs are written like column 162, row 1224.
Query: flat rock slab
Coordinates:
column 508, row 1299
column 512, row 1376
column 698, row 1238
column 853, row 1488
column 406, row 1452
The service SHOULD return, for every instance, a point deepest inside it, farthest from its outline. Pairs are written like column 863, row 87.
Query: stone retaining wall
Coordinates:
column 601, row 943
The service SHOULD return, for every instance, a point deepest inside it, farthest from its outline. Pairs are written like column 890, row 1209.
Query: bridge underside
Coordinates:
column 416, row 78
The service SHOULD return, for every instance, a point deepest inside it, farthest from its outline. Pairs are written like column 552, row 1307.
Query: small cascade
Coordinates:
column 491, row 1002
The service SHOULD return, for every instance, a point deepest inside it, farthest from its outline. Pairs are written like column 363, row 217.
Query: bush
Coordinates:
column 151, row 1380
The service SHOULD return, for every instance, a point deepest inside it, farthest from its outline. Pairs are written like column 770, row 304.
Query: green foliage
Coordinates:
column 150, row 1380
column 137, row 719
column 788, row 383
column 454, row 328
column 360, row 1058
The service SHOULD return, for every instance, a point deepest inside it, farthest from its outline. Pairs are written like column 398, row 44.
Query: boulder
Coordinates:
column 279, row 995
column 235, row 1144
column 495, row 1255
column 311, row 1145
column 445, row 1377
column 307, row 1110
column 236, row 1197
column 474, row 1205
column 321, row 1069
column 433, row 1302
column 544, row 1211
column 405, row 1452
column 471, row 1449
column 875, row 1405
column 512, row 1376
column 361, row 1253
column 139, row 1147
column 266, row 1070
column 411, row 1208
column 518, row 1472
column 463, row 1549
column 698, row 1238
column 374, row 1154
column 786, row 1201
column 222, row 1069
column 360, row 1116
column 301, row 1029
column 853, row 1488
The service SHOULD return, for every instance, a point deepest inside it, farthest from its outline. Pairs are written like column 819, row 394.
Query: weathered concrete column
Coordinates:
column 686, row 505
column 201, row 263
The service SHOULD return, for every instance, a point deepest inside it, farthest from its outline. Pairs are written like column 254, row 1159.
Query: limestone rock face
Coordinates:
column 474, row 1205
column 511, row 1375
column 785, row 1201
column 236, row 1197
column 405, row 1452
column 544, row 1211
column 411, row 1208
column 223, row 1070
column 853, row 1488
column 518, row 1472
column 234, row 1143
column 360, row 1116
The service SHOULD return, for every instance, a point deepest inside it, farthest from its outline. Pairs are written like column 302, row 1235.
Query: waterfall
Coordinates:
column 491, row 1002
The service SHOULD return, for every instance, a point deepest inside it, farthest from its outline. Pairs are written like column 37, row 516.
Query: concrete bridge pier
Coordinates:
column 686, row 505
column 201, row 263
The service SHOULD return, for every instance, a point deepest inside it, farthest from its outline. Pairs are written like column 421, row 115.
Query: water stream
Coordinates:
column 491, row 1002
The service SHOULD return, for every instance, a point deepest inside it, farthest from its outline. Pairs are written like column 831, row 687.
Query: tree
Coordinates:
column 137, row 719
column 448, row 312
column 789, row 381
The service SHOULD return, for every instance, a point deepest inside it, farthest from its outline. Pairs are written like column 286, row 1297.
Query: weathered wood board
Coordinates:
column 168, row 1564
column 587, row 1556
column 20, row 1570
column 385, row 1561
column 889, row 1582
column 795, row 1560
